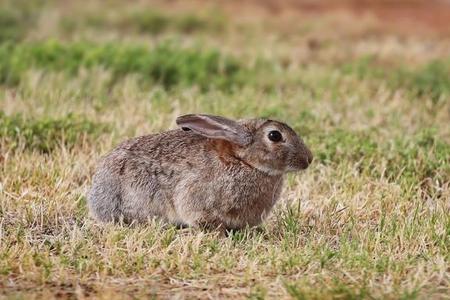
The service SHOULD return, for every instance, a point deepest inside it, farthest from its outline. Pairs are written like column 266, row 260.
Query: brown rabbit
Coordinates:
column 212, row 172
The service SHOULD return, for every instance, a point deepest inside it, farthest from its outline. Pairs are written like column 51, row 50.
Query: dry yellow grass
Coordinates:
column 369, row 219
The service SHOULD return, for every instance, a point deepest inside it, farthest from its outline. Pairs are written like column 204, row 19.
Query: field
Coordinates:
column 369, row 219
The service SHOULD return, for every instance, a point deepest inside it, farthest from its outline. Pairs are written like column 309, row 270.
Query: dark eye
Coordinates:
column 275, row 136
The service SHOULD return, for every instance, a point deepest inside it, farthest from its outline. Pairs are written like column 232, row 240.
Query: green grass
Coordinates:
column 46, row 135
column 155, row 23
column 431, row 80
column 408, row 159
column 368, row 220
column 166, row 64
column 16, row 19
column 147, row 22
column 11, row 26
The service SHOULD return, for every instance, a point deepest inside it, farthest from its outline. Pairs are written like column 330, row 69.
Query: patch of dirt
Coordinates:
column 412, row 16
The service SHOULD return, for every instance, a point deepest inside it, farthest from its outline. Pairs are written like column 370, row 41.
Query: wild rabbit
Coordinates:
column 213, row 172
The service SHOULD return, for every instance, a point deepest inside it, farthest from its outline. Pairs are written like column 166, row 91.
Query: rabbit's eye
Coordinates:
column 275, row 136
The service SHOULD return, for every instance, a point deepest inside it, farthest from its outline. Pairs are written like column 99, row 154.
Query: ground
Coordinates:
column 366, row 84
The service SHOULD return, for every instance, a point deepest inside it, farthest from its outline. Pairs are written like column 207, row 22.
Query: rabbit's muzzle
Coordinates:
column 301, row 160
column 306, row 160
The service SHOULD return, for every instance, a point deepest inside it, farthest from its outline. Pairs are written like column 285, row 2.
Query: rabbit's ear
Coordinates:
column 215, row 127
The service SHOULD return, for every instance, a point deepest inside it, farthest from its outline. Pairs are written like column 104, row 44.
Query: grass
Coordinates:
column 148, row 21
column 16, row 19
column 368, row 220
column 431, row 80
column 46, row 135
column 408, row 160
column 166, row 64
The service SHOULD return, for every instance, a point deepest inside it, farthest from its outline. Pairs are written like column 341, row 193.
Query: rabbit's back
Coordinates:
column 135, row 180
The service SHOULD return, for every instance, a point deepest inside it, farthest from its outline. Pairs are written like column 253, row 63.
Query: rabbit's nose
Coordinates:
column 304, row 160
column 307, row 158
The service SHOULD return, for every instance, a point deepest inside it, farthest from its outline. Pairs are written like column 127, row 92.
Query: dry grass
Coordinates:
column 369, row 219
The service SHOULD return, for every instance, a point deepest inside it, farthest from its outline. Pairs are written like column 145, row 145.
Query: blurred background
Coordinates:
column 135, row 65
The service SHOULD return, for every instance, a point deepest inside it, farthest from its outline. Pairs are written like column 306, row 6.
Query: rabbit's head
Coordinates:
column 269, row 146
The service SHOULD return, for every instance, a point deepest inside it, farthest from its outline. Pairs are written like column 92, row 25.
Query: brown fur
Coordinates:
column 219, row 174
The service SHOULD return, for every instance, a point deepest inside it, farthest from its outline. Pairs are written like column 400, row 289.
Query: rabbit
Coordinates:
column 212, row 172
